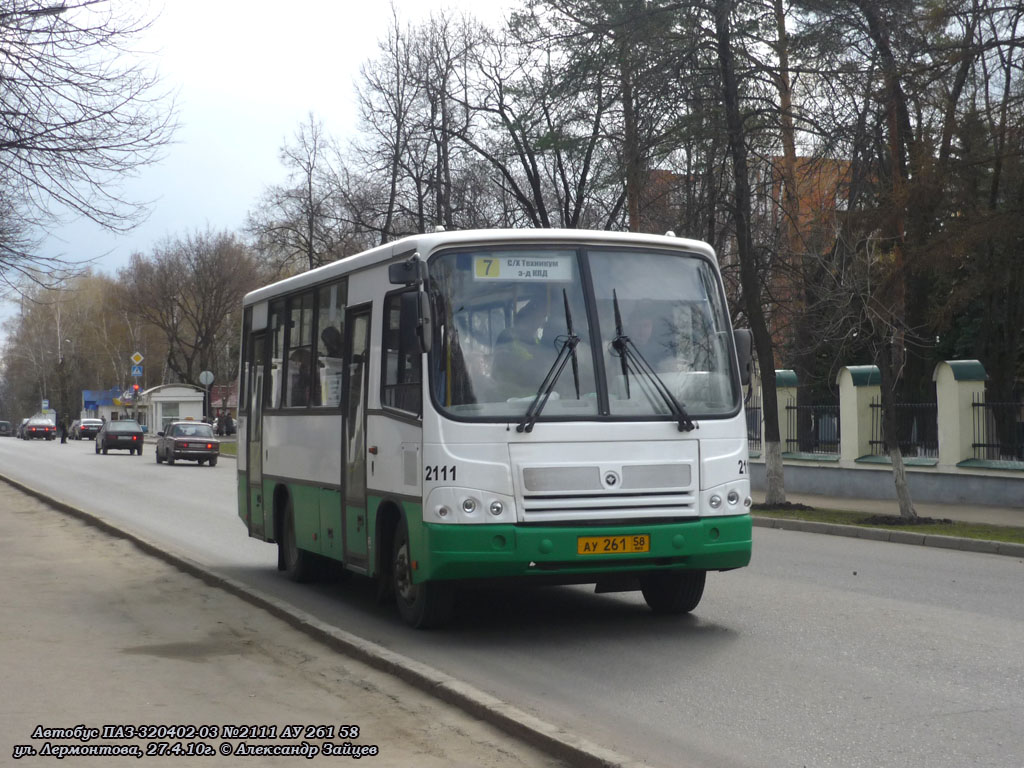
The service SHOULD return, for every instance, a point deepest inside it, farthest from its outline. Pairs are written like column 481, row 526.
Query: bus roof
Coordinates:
column 425, row 244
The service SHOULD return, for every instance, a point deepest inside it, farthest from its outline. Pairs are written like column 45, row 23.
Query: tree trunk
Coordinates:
column 890, row 433
column 775, row 491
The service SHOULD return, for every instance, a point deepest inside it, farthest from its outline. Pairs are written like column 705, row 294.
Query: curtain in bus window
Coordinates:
column 278, row 326
column 330, row 344
column 300, row 351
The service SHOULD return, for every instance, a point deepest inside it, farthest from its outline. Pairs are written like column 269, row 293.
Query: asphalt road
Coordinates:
column 826, row 651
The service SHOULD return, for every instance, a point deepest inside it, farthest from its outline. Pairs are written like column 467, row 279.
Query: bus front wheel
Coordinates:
column 299, row 564
column 673, row 591
column 424, row 605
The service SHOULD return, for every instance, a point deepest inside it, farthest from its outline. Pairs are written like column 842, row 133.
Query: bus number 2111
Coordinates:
column 436, row 474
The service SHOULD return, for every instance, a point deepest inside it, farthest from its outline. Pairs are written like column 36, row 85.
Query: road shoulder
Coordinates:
column 94, row 631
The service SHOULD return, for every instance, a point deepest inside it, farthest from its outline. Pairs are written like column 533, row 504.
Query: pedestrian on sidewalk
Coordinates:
column 63, row 431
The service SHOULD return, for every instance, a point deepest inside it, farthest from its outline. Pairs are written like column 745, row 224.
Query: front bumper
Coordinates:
column 550, row 552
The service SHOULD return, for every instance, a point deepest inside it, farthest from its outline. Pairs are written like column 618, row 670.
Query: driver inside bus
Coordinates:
column 520, row 357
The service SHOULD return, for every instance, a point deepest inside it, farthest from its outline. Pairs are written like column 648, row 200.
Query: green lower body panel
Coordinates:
column 507, row 551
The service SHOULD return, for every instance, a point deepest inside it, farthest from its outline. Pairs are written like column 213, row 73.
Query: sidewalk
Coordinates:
column 94, row 632
column 1013, row 516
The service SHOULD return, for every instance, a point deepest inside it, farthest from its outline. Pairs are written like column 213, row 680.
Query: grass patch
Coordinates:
column 229, row 449
column 1009, row 534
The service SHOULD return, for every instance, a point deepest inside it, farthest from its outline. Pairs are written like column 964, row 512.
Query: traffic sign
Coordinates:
column 136, row 370
column 137, row 358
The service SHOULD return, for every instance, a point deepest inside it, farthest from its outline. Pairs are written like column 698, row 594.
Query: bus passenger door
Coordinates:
column 354, row 523
column 254, row 437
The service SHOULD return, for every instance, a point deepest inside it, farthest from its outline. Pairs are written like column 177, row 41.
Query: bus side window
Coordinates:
column 330, row 344
column 402, row 360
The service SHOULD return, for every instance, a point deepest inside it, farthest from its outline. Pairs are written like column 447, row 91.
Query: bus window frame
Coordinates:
column 402, row 337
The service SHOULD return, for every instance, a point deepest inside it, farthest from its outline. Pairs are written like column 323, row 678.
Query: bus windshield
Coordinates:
column 648, row 322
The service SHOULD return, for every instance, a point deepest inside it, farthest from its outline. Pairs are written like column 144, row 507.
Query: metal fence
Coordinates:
column 753, row 410
column 918, row 428
column 816, row 428
column 998, row 430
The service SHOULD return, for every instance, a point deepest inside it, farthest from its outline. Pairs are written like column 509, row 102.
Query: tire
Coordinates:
column 673, row 592
column 300, row 565
column 139, row 450
column 97, row 447
column 422, row 606
column 213, row 461
column 170, row 458
column 156, row 452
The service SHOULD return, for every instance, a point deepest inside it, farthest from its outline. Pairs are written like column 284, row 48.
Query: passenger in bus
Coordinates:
column 331, row 337
column 299, row 378
column 520, row 357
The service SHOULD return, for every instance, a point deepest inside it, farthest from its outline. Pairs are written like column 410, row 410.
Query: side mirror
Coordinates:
column 413, row 271
column 159, row 434
column 744, row 340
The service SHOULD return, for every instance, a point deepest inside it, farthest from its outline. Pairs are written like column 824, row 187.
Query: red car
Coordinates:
column 188, row 441
column 41, row 427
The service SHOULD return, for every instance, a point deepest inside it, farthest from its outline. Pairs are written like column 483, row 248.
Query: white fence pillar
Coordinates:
column 858, row 386
column 958, row 384
column 785, row 389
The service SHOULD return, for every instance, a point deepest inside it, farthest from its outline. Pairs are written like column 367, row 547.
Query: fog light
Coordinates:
column 442, row 511
column 469, row 506
column 747, row 502
column 734, row 498
column 715, row 501
column 497, row 508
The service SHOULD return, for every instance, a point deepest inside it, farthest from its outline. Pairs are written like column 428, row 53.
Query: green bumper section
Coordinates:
column 503, row 551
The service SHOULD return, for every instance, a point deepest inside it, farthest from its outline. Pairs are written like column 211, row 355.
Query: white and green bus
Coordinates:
column 525, row 406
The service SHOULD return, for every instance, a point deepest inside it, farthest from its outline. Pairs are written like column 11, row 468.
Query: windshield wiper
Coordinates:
column 565, row 352
column 631, row 358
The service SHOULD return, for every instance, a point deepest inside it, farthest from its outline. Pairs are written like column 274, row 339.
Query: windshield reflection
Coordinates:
column 502, row 321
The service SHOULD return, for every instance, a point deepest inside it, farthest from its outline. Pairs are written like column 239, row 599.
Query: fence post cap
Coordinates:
column 862, row 375
column 785, row 378
column 963, row 370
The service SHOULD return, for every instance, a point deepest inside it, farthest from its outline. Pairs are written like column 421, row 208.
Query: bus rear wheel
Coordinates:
column 300, row 565
column 424, row 605
column 673, row 591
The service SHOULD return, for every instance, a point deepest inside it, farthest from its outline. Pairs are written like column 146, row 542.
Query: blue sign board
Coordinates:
column 136, row 370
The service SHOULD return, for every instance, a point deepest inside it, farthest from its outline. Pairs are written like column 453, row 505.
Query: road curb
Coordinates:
column 559, row 743
column 896, row 537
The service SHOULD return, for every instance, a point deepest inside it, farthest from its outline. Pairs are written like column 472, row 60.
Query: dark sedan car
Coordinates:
column 188, row 441
column 41, row 427
column 121, row 435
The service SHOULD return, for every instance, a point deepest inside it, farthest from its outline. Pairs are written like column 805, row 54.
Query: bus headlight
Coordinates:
column 461, row 505
column 731, row 498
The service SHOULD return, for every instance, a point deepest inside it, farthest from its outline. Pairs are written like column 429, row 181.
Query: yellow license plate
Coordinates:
column 613, row 545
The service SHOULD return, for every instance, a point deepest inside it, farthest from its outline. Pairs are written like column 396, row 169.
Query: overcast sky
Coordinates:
column 246, row 73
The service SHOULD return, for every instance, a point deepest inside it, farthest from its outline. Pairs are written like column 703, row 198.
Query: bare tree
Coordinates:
column 191, row 289
column 296, row 225
column 79, row 112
